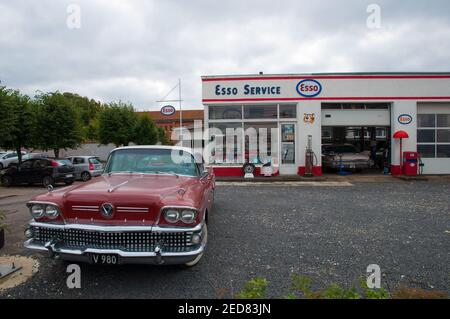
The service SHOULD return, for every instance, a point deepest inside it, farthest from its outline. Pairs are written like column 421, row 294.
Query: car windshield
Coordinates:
column 63, row 162
column 152, row 161
column 340, row 149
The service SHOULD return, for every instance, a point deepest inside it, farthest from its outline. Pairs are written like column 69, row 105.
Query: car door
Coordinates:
column 24, row 173
column 40, row 170
column 78, row 164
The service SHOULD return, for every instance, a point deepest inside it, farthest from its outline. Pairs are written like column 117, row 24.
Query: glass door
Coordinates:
column 288, row 149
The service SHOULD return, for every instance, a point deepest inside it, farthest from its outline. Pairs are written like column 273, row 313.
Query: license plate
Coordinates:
column 104, row 259
column 69, row 175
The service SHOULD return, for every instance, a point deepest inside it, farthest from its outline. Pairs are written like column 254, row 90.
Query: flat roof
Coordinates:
column 446, row 73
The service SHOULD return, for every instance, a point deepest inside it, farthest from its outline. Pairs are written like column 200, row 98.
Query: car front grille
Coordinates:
column 142, row 241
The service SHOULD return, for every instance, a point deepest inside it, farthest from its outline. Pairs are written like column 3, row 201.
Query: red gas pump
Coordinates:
column 410, row 163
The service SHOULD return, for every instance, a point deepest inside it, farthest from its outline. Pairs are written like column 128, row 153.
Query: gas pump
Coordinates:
column 310, row 158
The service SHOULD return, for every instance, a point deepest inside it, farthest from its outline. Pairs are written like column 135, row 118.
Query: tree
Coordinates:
column 116, row 124
column 58, row 125
column 17, row 121
column 162, row 137
column 88, row 110
column 146, row 132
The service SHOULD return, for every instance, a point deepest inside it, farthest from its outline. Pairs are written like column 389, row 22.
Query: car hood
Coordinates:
column 136, row 198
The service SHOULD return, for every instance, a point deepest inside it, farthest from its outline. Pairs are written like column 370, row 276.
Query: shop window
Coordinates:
column 353, row 106
column 443, row 120
column 266, row 140
column 433, row 135
column 426, row 120
column 427, row 151
column 288, row 111
column 227, row 150
column 260, row 112
column 426, row 136
column 225, row 112
column 443, row 136
column 331, row 106
column 443, row 151
column 327, row 132
column 377, row 106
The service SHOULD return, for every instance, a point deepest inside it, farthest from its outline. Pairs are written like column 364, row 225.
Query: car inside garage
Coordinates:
column 355, row 137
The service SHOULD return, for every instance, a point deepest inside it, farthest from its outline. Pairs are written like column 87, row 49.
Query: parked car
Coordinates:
column 148, row 207
column 86, row 167
column 34, row 155
column 346, row 155
column 9, row 158
column 44, row 171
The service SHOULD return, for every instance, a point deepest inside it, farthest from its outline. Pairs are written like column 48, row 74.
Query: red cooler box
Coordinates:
column 410, row 163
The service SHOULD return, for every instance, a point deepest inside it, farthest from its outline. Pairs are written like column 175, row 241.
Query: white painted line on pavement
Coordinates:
column 294, row 184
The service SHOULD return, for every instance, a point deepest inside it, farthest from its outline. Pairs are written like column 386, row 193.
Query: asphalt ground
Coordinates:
column 328, row 232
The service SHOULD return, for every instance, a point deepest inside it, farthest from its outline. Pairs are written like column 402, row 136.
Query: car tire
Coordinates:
column 204, row 242
column 6, row 181
column 69, row 182
column 85, row 176
column 47, row 181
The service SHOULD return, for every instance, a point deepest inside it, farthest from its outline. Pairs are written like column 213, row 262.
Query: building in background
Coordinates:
column 171, row 122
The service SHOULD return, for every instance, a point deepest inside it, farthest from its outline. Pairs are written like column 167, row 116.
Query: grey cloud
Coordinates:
column 136, row 50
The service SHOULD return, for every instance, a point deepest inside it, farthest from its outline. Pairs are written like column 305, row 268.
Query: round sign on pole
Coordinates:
column 168, row 110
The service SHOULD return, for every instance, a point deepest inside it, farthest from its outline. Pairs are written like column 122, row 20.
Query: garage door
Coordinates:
column 433, row 137
column 356, row 114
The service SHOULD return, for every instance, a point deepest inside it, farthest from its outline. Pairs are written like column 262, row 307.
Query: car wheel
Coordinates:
column 47, row 181
column 85, row 176
column 69, row 182
column 204, row 242
column 6, row 181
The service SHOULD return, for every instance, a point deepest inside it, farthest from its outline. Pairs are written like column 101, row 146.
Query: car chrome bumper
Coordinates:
column 156, row 257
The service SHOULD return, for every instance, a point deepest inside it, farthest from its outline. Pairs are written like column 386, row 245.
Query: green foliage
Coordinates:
column 3, row 224
column 301, row 288
column 254, row 289
column 146, row 132
column 17, row 121
column 117, row 124
column 88, row 112
column 57, row 123
column 372, row 293
column 162, row 137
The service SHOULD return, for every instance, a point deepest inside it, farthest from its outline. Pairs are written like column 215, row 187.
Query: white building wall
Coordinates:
column 409, row 145
column 305, row 129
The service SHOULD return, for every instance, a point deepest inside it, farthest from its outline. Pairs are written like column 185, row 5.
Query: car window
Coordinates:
column 11, row 155
column 26, row 165
column 94, row 160
column 40, row 164
column 151, row 161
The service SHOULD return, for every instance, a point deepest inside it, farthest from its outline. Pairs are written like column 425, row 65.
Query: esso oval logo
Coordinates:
column 168, row 110
column 309, row 88
column 405, row 119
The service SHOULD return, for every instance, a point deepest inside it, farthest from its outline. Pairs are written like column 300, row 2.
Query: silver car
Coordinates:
column 86, row 167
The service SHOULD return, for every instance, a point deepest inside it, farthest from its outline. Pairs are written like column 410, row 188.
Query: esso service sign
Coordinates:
column 309, row 88
column 405, row 119
column 168, row 110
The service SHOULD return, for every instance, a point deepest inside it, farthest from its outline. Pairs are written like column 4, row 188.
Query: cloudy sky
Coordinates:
column 135, row 51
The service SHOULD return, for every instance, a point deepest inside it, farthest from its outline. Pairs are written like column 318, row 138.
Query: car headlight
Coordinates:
column 188, row 216
column 172, row 215
column 51, row 212
column 37, row 210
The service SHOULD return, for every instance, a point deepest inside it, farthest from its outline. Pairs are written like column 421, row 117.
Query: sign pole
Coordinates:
column 181, row 112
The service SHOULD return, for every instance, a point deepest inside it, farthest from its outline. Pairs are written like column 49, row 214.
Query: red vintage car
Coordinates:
column 151, row 206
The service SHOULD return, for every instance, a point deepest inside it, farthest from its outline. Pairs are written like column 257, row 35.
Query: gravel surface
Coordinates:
column 330, row 234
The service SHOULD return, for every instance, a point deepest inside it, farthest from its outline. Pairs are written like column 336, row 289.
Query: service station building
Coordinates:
column 311, row 111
